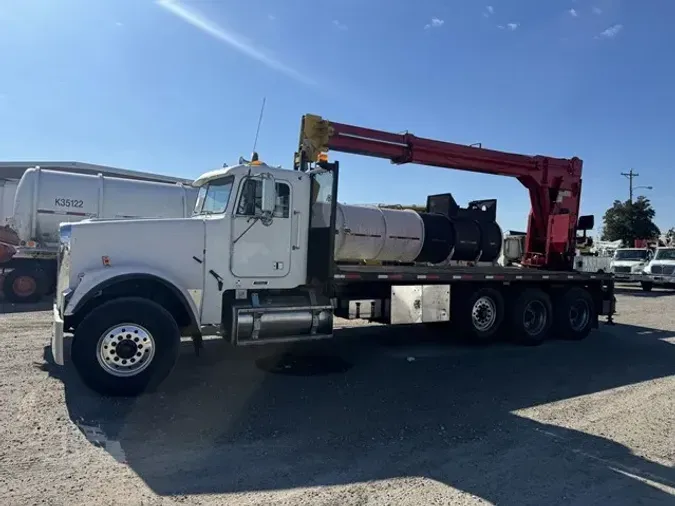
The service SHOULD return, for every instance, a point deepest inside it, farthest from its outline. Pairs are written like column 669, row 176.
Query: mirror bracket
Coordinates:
column 269, row 198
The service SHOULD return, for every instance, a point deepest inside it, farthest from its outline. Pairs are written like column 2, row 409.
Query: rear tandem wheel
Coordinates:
column 531, row 317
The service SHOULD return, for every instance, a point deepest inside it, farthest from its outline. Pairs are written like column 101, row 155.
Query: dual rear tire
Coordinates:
column 529, row 319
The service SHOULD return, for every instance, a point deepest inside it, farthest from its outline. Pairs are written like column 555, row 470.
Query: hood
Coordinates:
column 665, row 261
column 627, row 263
column 162, row 243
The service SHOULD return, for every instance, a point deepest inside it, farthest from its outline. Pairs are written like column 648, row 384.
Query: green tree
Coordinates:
column 629, row 221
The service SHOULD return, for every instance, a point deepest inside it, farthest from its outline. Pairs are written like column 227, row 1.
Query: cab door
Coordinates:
column 261, row 245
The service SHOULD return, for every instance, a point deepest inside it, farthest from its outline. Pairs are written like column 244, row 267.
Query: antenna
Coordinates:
column 257, row 131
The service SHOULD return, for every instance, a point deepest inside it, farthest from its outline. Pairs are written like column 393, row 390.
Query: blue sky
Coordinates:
column 176, row 87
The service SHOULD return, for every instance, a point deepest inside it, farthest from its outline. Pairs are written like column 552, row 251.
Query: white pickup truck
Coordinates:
column 660, row 271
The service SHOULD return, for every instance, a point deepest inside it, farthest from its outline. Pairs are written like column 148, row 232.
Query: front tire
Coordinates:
column 126, row 346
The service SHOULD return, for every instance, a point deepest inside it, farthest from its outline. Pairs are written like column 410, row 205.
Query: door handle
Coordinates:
column 296, row 224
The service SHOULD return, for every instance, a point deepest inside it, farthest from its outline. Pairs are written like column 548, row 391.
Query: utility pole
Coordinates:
column 630, row 175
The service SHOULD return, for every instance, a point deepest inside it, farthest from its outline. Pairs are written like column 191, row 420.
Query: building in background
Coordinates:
column 12, row 171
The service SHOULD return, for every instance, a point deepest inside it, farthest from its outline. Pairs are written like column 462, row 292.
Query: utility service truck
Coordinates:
column 43, row 199
column 660, row 271
column 628, row 264
column 270, row 256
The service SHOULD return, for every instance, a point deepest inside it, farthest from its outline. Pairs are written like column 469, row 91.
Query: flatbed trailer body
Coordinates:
column 414, row 274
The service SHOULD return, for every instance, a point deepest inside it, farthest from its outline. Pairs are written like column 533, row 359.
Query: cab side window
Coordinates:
column 251, row 199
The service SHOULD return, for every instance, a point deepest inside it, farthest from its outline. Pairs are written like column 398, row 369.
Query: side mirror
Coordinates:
column 586, row 222
column 269, row 197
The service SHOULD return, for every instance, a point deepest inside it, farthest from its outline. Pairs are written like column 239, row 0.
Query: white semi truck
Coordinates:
column 46, row 198
column 271, row 257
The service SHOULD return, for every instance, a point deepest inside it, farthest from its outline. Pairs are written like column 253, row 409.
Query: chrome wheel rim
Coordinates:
column 484, row 314
column 125, row 350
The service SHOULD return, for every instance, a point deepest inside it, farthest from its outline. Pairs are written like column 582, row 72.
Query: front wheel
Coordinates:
column 126, row 346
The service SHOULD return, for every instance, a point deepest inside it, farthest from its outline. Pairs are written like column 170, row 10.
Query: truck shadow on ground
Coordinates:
column 395, row 408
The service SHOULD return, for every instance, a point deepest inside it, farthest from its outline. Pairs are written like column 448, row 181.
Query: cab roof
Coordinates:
column 254, row 168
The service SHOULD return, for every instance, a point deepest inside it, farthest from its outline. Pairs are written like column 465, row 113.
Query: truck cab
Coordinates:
column 248, row 230
column 628, row 263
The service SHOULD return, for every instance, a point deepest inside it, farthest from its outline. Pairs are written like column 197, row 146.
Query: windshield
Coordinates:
column 214, row 196
column 665, row 254
column 630, row 254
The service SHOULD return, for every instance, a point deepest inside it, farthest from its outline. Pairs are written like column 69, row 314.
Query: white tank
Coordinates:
column 377, row 234
column 7, row 193
column 46, row 198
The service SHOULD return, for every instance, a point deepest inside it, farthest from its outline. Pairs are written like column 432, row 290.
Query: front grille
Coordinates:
column 666, row 270
column 622, row 269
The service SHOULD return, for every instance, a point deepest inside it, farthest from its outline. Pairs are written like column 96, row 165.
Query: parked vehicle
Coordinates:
column 45, row 198
column 270, row 256
column 628, row 263
column 660, row 271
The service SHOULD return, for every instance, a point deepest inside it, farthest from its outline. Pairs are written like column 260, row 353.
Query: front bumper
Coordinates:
column 628, row 276
column 57, row 337
column 660, row 279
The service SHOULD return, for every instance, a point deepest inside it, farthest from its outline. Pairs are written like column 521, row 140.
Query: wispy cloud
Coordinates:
column 230, row 38
column 434, row 23
column 489, row 11
column 573, row 13
column 119, row 23
column 509, row 26
column 271, row 17
column 597, row 10
column 610, row 32
column 339, row 26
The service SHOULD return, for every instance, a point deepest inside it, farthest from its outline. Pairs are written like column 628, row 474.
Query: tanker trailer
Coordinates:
column 46, row 198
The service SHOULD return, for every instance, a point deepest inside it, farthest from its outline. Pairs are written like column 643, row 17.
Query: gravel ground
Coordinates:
column 381, row 417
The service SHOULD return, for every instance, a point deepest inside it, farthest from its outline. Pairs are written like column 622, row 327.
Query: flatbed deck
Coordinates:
column 348, row 273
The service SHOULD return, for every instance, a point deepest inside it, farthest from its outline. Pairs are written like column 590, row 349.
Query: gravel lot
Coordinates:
column 381, row 417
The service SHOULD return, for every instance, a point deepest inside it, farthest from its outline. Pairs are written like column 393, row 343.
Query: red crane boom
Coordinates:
column 554, row 184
